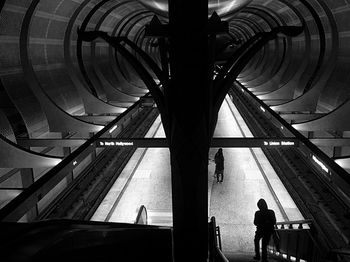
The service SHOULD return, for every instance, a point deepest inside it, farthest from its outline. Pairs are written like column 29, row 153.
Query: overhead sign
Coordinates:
column 280, row 143
column 115, row 143
column 216, row 142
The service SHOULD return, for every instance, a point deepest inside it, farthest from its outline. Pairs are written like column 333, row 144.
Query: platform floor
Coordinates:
column 248, row 176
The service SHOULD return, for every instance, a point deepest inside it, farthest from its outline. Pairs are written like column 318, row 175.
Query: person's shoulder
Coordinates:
column 271, row 212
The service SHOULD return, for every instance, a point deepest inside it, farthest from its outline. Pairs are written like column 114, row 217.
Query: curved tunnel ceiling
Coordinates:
column 41, row 52
column 221, row 7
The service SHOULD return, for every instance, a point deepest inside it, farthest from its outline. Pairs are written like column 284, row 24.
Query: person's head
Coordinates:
column 262, row 204
column 220, row 150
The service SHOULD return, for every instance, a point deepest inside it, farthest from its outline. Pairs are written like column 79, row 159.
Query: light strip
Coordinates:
column 318, row 162
column 112, row 129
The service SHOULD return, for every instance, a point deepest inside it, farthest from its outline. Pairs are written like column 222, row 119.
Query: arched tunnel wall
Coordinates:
column 312, row 76
column 42, row 66
column 47, row 32
column 316, row 59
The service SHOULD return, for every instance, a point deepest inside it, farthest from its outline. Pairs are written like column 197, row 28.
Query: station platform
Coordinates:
column 248, row 176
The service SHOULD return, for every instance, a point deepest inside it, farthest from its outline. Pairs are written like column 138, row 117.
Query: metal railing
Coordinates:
column 215, row 253
column 26, row 200
column 324, row 171
column 301, row 224
column 296, row 242
column 142, row 218
column 59, row 240
column 335, row 176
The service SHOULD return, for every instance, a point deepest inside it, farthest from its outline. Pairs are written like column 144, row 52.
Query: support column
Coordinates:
column 187, row 98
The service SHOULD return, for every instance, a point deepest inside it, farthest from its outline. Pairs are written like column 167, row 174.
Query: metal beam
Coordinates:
column 227, row 142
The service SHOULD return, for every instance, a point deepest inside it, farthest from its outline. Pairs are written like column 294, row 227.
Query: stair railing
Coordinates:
column 296, row 242
column 215, row 252
column 141, row 218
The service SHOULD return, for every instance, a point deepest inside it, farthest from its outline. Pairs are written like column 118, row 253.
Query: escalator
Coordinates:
column 83, row 196
column 77, row 240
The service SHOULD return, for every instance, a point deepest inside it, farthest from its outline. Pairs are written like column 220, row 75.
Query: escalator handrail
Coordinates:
column 331, row 164
column 11, row 212
column 74, row 224
column 142, row 210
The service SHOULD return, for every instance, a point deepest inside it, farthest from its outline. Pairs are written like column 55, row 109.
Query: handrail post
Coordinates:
column 288, row 238
column 297, row 255
column 211, row 240
column 215, row 253
column 142, row 210
column 218, row 235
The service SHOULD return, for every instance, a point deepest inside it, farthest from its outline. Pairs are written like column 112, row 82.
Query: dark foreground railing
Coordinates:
column 297, row 243
column 72, row 240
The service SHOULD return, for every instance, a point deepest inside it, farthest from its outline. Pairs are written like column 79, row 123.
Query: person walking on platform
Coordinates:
column 265, row 221
column 219, row 166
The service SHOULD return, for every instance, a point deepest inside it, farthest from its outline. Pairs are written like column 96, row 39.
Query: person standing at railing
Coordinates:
column 265, row 221
column 219, row 166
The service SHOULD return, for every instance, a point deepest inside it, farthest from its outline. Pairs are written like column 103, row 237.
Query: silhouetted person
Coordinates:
column 219, row 166
column 265, row 221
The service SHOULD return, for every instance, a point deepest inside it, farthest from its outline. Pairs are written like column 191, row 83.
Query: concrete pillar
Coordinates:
column 188, row 103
